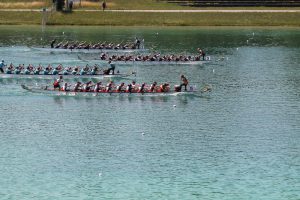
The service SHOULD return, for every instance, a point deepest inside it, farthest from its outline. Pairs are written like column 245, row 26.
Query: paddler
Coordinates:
column 129, row 88
column 201, row 53
column 87, row 86
column 153, row 86
column 2, row 65
column 184, row 82
column 10, row 69
column 77, row 87
column 75, row 70
column 98, row 87
column 52, row 43
column 164, row 87
column 142, row 88
column 57, row 82
column 65, row 87
column 109, row 86
column 120, row 87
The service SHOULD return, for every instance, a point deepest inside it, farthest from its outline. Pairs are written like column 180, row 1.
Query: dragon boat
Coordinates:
column 68, row 76
column 62, row 50
column 50, row 91
column 146, row 60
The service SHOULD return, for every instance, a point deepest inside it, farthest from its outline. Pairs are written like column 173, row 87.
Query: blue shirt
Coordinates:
column 2, row 65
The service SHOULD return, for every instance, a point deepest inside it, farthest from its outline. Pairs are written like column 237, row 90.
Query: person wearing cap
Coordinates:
column 57, row 82
column 2, row 65
column 184, row 82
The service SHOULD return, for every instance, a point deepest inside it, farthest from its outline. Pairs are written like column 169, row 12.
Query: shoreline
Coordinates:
column 266, row 17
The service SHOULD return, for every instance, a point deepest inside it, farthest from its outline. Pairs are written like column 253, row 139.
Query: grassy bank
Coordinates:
column 120, row 5
column 154, row 19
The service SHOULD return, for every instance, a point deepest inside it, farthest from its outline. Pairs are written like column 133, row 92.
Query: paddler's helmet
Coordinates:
column 2, row 61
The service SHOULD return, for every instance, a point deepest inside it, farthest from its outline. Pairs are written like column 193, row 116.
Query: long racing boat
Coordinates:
column 68, row 76
column 60, row 50
column 51, row 91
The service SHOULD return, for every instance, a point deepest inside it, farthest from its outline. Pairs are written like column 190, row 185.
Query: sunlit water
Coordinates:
column 241, row 141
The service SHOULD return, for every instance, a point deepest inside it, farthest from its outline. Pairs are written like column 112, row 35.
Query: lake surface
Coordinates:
column 241, row 141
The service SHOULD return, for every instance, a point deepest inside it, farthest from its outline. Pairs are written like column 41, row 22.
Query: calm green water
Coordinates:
column 239, row 142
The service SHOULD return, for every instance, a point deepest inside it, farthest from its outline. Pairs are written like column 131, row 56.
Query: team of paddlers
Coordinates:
column 58, row 70
column 153, row 58
column 110, row 87
column 137, row 44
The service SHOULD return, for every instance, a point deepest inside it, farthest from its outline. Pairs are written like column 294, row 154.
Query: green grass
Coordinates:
column 126, row 5
column 155, row 19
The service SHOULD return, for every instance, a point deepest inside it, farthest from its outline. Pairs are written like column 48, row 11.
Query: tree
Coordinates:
column 60, row 4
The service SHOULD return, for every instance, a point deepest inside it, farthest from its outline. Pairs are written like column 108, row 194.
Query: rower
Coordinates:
column 75, row 71
column 67, row 71
column 87, row 86
column 164, row 87
column 57, row 69
column 201, row 53
column 47, row 70
column 94, row 70
column 18, row 69
column 152, row 87
column 52, row 43
column 142, row 88
column 109, row 86
column 84, row 70
column 57, row 82
column 120, row 87
column 184, row 83
column 97, row 87
column 129, row 88
column 38, row 69
column 133, row 85
column 29, row 69
column 77, row 87
column 10, row 69
column 2, row 65
column 65, row 87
